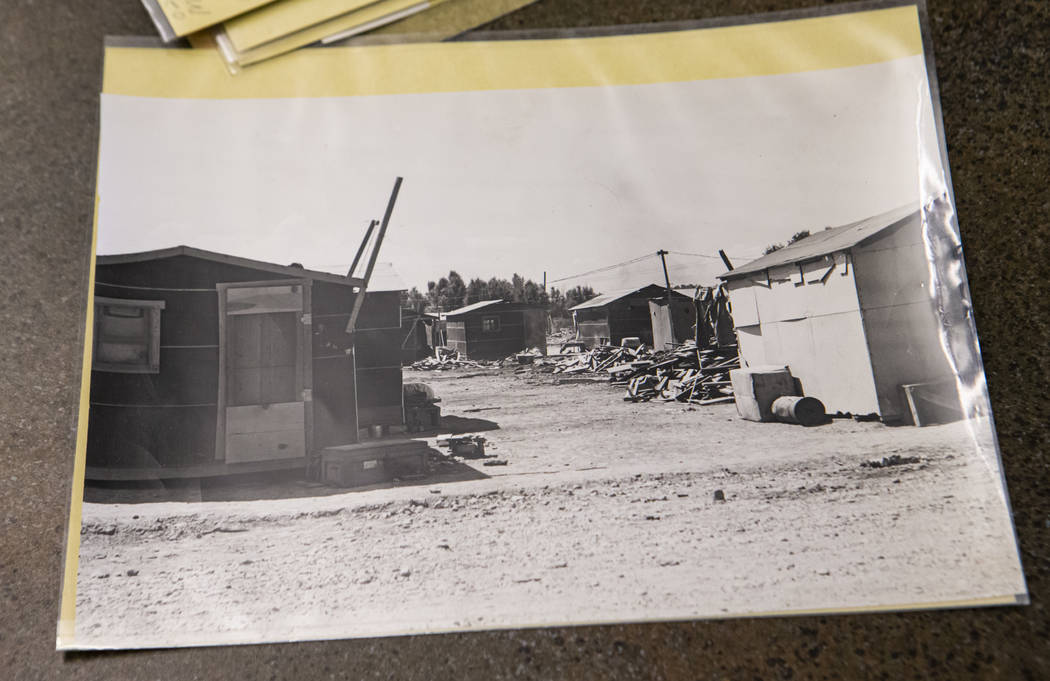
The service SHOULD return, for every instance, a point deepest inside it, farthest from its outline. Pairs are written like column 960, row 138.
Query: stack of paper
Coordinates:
column 250, row 31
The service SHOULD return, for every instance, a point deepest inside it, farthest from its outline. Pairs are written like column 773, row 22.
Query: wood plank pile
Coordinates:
column 685, row 374
column 445, row 360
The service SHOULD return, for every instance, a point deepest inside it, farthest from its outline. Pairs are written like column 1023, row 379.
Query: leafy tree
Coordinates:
column 500, row 289
column 456, row 293
column 413, row 300
column 477, row 291
column 577, row 295
column 534, row 293
column 557, row 304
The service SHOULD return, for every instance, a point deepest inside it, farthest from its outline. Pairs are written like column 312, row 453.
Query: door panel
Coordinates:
column 264, row 418
column 265, row 362
column 245, row 447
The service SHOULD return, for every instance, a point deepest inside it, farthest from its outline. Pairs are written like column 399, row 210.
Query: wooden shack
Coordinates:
column 420, row 334
column 849, row 311
column 208, row 364
column 610, row 317
column 493, row 329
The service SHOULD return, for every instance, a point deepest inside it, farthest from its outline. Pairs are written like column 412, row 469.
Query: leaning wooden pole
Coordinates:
column 670, row 302
column 361, row 248
column 360, row 299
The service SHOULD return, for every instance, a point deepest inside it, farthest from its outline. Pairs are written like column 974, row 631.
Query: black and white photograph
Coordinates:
column 632, row 349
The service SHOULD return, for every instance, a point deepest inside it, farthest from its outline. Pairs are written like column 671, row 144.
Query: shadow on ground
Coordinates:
column 271, row 485
column 455, row 425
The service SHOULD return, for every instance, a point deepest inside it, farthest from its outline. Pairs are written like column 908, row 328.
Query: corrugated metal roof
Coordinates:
column 384, row 277
column 612, row 296
column 472, row 307
column 825, row 242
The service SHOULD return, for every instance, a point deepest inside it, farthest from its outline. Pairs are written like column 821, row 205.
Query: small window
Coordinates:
column 127, row 335
column 490, row 324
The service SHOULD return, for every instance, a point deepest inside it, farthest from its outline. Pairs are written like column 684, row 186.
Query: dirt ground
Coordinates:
column 605, row 510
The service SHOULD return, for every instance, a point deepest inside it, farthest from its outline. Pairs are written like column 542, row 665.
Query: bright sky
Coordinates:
column 560, row 180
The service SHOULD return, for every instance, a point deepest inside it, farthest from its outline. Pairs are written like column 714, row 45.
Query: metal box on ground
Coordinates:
column 371, row 463
column 756, row 388
column 419, row 418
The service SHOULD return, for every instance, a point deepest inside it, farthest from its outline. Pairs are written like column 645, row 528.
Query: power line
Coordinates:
column 602, row 269
column 713, row 257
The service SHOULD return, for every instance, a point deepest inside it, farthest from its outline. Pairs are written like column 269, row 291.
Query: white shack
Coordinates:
column 849, row 311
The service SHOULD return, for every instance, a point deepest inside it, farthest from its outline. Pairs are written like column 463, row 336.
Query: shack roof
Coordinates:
column 384, row 277
column 651, row 290
column 825, row 242
column 474, row 307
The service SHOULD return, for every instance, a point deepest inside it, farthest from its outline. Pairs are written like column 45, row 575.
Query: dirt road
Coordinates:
column 605, row 511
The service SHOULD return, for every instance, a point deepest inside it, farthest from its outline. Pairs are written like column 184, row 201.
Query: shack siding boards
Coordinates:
column 182, row 314
column 187, row 376
column 467, row 335
column 380, row 416
column 629, row 316
column 854, row 325
column 379, row 387
column 334, row 402
column 378, row 348
column 175, row 423
column 900, row 321
column 148, row 437
column 814, row 328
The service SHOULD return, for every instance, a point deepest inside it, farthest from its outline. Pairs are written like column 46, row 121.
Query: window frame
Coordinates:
column 152, row 309
column 492, row 318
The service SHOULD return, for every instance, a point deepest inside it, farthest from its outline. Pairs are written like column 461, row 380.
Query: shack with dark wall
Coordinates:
column 849, row 311
column 207, row 364
column 417, row 335
column 610, row 317
column 493, row 329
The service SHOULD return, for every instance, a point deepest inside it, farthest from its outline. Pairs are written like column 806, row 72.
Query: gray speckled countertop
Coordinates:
column 993, row 64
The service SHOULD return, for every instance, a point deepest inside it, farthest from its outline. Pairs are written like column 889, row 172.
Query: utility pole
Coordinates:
column 667, row 280
column 544, row 282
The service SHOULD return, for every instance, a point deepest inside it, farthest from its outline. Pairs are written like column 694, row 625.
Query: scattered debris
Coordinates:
column 133, row 573
column 466, row 446
column 887, row 461
column 685, row 374
column 494, row 462
column 720, row 495
column 445, row 359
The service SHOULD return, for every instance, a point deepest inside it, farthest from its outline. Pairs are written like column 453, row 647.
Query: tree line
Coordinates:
column 452, row 291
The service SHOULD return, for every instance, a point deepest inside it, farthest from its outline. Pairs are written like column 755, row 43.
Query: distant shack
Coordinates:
column 849, row 311
column 421, row 332
column 610, row 317
column 493, row 329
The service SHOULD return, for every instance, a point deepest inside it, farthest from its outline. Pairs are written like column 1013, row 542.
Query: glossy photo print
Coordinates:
column 535, row 330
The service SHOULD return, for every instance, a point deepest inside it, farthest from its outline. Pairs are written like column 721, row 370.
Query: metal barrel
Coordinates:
column 807, row 411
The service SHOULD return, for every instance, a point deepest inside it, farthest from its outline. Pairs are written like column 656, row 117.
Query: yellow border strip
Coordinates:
column 781, row 47
column 68, row 608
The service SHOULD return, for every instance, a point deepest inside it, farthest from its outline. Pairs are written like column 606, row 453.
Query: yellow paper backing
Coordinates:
column 728, row 52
